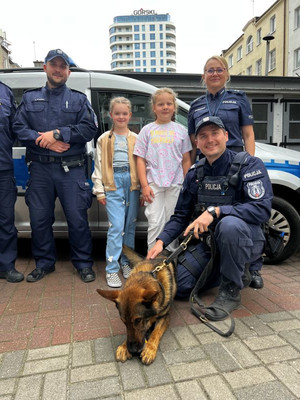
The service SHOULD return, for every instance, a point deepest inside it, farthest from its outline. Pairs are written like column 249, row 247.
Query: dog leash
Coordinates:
column 182, row 247
column 194, row 298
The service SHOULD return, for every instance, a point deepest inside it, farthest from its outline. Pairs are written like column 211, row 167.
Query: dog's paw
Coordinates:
column 148, row 354
column 122, row 354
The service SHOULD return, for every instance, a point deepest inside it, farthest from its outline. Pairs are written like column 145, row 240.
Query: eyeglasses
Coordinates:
column 219, row 71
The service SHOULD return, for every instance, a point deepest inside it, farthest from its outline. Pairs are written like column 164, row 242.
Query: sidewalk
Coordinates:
column 58, row 338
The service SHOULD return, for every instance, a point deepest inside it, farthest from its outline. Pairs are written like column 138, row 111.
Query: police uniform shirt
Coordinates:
column 252, row 202
column 7, row 112
column 231, row 106
column 62, row 108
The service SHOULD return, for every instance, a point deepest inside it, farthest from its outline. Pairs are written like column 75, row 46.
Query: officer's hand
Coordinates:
column 148, row 194
column 102, row 201
column 45, row 139
column 156, row 249
column 59, row 146
column 200, row 224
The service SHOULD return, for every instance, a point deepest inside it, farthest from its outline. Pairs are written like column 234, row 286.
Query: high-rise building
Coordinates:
column 143, row 42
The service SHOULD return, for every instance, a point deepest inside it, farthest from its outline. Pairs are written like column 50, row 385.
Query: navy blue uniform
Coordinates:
column 231, row 106
column 238, row 232
column 8, row 191
column 42, row 110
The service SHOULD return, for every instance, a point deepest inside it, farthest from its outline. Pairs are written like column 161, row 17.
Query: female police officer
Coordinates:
column 236, row 211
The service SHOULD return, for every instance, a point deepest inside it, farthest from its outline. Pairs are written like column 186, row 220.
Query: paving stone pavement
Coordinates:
column 58, row 339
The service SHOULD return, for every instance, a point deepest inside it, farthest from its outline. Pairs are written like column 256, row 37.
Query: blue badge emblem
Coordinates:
column 256, row 189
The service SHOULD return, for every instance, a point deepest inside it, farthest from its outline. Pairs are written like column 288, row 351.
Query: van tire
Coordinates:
column 285, row 217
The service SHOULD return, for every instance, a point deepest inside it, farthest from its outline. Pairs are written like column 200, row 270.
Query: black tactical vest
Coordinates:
column 218, row 190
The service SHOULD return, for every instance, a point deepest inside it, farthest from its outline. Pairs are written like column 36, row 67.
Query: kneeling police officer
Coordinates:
column 55, row 123
column 233, row 208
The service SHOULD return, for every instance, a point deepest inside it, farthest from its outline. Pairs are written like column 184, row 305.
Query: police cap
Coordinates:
column 57, row 53
column 209, row 120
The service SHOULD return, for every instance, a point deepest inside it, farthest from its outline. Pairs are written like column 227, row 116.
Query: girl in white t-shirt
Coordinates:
column 163, row 158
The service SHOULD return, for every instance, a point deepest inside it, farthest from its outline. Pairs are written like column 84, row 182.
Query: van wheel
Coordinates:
column 285, row 218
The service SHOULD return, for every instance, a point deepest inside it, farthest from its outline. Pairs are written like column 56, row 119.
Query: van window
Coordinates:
column 141, row 110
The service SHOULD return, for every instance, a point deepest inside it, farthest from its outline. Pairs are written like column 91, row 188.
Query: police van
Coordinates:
column 283, row 165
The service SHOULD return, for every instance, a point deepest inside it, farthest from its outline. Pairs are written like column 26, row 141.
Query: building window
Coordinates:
column 152, row 45
column 297, row 58
column 144, row 54
column 143, row 28
column 144, row 46
column 143, row 36
column 161, row 36
column 161, row 53
column 230, row 61
column 258, row 37
column 136, row 28
column 262, row 121
column 161, row 62
column 152, row 36
column 249, row 70
column 161, row 45
column 239, row 53
column 153, row 62
column 144, row 63
column 137, row 63
column 138, row 70
column 273, row 24
column 136, row 36
column 161, row 27
column 249, row 44
column 294, row 121
column 152, row 28
column 297, row 18
column 137, row 46
column 258, row 67
column 153, row 69
column 161, row 70
column 137, row 54
column 272, row 60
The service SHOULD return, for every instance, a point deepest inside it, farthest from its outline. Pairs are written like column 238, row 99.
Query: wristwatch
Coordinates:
column 212, row 211
column 56, row 134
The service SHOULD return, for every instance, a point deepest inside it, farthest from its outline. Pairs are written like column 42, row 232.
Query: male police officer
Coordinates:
column 8, row 191
column 55, row 122
column 236, row 210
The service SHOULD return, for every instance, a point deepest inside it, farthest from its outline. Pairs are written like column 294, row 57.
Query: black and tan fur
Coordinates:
column 143, row 304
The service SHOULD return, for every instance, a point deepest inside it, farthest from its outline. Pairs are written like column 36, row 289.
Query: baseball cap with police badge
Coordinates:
column 208, row 121
column 57, row 53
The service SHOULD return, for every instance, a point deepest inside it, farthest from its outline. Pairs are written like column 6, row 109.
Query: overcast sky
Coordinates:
column 81, row 28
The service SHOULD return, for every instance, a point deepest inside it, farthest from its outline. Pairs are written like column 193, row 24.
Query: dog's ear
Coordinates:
column 109, row 294
column 132, row 256
column 150, row 295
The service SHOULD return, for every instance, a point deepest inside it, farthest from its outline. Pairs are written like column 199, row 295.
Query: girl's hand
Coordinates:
column 102, row 201
column 148, row 194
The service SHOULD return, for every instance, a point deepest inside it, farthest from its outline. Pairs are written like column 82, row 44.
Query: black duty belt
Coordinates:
column 77, row 160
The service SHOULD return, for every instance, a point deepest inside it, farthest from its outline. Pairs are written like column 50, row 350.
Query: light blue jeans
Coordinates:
column 122, row 206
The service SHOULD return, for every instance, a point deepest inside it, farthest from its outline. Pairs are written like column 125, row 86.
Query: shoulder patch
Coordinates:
column 256, row 189
column 78, row 91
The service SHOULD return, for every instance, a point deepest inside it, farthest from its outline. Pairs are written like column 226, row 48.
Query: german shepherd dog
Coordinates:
column 144, row 306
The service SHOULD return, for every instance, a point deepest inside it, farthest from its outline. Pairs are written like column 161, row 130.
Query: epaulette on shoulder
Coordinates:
column 32, row 90
column 197, row 99
column 236, row 91
column 4, row 84
column 77, row 91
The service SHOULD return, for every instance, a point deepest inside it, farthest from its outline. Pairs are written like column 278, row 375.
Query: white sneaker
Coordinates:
column 126, row 270
column 113, row 280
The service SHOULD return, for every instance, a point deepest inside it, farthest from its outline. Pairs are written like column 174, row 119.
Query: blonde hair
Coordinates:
column 113, row 102
column 221, row 60
column 163, row 90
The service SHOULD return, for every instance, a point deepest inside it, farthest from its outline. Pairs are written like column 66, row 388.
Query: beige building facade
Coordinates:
column 270, row 44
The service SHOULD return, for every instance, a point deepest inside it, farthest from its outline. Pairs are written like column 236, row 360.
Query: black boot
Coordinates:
column 227, row 300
